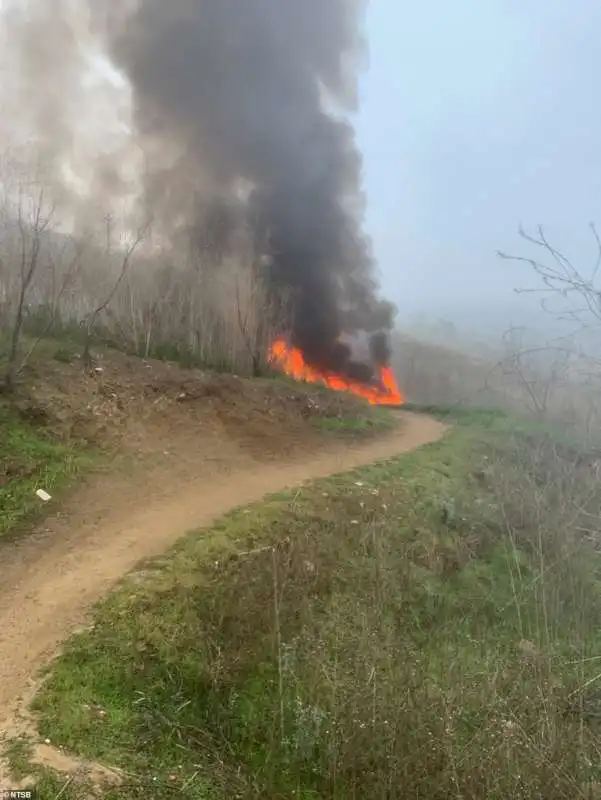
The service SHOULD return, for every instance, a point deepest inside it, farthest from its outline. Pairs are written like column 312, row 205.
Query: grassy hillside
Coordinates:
column 31, row 459
column 422, row 628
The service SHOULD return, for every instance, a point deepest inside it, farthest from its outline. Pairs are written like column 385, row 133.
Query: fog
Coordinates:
column 476, row 117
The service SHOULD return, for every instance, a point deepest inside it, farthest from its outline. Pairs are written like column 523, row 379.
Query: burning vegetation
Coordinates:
column 381, row 389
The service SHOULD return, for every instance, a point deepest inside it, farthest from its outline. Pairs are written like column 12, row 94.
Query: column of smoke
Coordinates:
column 254, row 92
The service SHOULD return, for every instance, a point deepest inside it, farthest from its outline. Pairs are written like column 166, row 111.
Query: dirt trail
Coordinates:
column 49, row 579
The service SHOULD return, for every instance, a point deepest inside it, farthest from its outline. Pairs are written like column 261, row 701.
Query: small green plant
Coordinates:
column 378, row 419
column 65, row 355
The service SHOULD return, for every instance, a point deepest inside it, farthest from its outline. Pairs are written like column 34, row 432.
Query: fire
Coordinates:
column 290, row 361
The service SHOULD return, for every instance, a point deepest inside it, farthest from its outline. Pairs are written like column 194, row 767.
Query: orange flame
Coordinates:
column 290, row 360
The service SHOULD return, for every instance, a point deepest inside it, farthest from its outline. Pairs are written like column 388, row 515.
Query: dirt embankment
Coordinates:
column 138, row 406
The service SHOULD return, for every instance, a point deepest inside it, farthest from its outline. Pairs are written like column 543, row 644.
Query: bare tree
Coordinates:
column 572, row 363
column 535, row 373
column 561, row 278
column 31, row 227
column 125, row 257
column 64, row 271
column 203, row 296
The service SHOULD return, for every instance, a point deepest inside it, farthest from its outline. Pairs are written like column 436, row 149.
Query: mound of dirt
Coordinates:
column 124, row 401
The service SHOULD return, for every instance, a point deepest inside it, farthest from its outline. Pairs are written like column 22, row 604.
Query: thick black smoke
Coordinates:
column 254, row 91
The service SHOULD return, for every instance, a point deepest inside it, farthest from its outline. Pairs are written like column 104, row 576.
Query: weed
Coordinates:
column 424, row 627
column 48, row 783
column 29, row 460
column 65, row 355
column 378, row 419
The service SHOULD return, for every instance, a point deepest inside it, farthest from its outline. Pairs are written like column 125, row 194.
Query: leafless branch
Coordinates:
column 562, row 277
column 129, row 252
column 67, row 281
column 30, row 234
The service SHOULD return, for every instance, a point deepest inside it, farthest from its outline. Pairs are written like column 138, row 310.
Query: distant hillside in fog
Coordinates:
column 478, row 325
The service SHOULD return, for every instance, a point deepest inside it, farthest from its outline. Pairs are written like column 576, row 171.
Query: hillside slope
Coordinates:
column 422, row 627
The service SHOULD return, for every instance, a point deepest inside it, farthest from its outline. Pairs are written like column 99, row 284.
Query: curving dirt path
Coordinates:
column 49, row 580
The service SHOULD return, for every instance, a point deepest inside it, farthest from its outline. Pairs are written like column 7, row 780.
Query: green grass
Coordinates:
column 426, row 627
column 373, row 420
column 29, row 460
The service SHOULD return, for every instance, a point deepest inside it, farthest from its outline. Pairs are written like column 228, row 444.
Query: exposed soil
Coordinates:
column 188, row 448
column 140, row 406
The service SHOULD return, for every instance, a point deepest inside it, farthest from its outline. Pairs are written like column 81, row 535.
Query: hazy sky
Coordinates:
column 477, row 116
